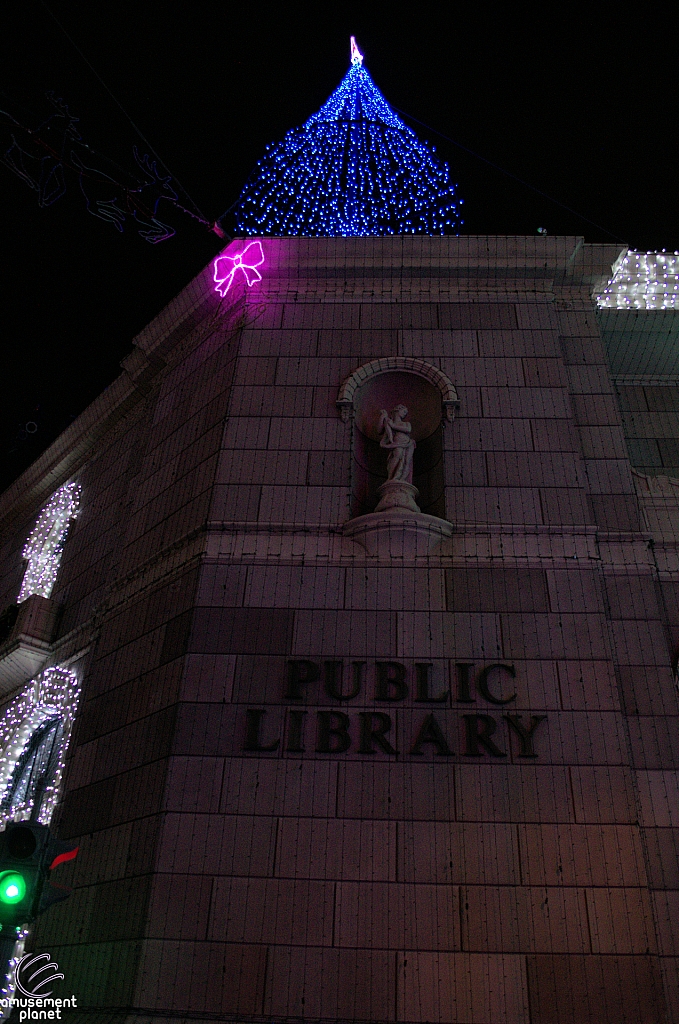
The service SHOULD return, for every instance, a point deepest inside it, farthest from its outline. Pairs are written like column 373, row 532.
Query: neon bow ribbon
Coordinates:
column 248, row 260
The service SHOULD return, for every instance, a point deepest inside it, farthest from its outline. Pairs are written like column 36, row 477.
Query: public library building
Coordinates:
column 346, row 644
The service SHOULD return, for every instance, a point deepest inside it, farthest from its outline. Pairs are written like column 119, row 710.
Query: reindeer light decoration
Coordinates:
column 43, row 156
column 107, row 199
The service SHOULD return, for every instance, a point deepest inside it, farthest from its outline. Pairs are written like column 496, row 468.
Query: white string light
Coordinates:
column 643, row 280
column 53, row 693
column 46, row 542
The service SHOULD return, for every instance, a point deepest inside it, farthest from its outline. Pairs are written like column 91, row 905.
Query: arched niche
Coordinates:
column 430, row 398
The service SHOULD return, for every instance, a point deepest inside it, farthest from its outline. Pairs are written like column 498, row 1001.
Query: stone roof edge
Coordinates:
column 593, row 264
column 75, row 445
column 564, row 255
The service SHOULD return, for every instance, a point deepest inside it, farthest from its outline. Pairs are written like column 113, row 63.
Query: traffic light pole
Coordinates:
column 6, row 954
column 28, row 853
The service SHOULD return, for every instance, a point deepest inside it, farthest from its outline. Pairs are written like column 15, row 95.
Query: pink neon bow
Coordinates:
column 248, row 260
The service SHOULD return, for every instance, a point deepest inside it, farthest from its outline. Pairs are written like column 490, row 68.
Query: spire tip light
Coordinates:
column 356, row 55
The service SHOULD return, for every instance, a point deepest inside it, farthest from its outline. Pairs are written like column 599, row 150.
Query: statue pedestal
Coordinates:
column 397, row 494
column 398, row 533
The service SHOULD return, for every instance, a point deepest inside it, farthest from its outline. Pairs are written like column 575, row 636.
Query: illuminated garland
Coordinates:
column 641, row 280
column 54, row 692
column 354, row 168
column 9, row 984
column 44, row 546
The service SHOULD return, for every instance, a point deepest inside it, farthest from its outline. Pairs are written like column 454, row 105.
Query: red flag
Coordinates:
column 69, row 855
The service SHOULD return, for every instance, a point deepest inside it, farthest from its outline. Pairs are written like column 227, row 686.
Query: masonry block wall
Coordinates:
column 642, row 351
column 650, row 415
column 314, row 782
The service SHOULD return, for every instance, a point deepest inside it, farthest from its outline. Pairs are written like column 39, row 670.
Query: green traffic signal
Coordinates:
column 12, row 887
column 28, row 853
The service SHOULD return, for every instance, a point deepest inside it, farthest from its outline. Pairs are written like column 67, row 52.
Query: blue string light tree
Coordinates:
column 354, row 168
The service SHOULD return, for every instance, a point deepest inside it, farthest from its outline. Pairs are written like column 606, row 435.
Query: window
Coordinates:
column 34, row 771
column 46, row 542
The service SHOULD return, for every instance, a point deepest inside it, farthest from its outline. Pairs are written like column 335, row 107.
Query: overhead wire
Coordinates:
column 435, row 131
column 139, row 132
column 495, row 166
column 510, row 174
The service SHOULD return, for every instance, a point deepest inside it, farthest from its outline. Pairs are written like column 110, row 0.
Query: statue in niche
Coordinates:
column 396, row 437
column 398, row 491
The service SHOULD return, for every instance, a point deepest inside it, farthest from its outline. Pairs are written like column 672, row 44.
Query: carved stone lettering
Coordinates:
column 525, row 735
column 390, row 681
column 422, row 676
column 253, row 729
column 300, row 673
column 333, row 732
column 430, row 732
column 483, row 687
column 333, row 672
column 479, row 729
column 374, row 728
column 464, row 694
column 295, row 744
column 394, row 682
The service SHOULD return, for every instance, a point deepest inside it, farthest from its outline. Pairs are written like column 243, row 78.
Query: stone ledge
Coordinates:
column 398, row 533
column 29, row 643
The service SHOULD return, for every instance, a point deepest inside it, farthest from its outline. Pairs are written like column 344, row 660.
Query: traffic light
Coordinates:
column 22, row 846
column 28, row 852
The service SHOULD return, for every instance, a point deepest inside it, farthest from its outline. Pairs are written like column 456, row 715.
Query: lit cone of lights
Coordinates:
column 354, row 168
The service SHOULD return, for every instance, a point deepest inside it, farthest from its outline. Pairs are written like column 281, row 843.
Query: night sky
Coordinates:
column 580, row 105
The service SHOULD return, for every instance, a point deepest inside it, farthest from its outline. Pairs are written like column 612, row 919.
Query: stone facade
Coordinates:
column 345, row 765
